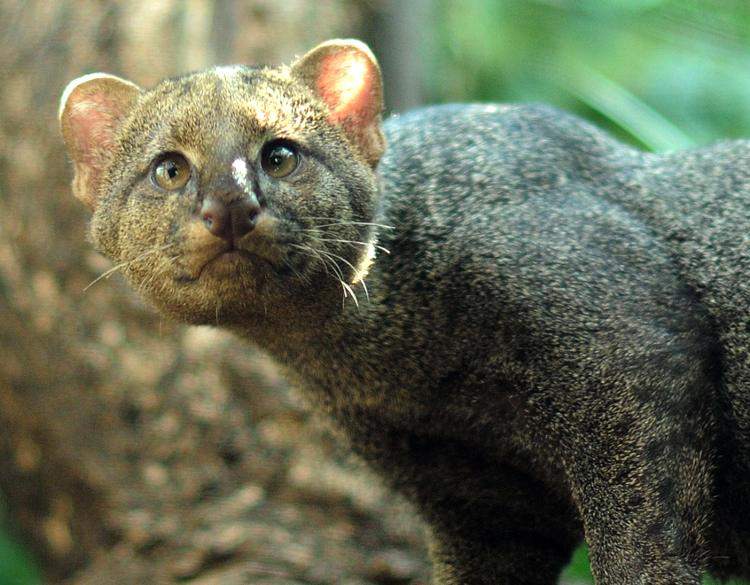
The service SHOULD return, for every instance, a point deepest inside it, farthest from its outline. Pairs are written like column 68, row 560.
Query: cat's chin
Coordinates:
column 201, row 307
column 228, row 288
column 232, row 288
column 235, row 263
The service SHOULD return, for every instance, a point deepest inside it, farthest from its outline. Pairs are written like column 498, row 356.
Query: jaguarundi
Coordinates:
column 535, row 333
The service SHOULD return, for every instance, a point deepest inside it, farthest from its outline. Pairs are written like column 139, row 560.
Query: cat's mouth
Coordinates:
column 229, row 258
column 233, row 258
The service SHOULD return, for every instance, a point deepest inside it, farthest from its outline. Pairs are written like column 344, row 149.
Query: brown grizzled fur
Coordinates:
column 535, row 333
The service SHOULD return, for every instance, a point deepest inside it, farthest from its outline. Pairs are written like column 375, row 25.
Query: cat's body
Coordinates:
column 591, row 314
column 554, row 344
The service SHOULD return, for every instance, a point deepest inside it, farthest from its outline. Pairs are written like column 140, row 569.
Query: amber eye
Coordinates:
column 172, row 172
column 279, row 158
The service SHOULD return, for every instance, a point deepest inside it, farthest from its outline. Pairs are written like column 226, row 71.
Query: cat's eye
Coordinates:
column 171, row 171
column 279, row 158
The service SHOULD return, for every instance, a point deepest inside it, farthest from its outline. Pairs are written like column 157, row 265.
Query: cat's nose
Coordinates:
column 229, row 220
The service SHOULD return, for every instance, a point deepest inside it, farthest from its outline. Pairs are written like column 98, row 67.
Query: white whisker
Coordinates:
column 337, row 221
column 325, row 258
column 122, row 265
column 380, row 225
column 381, row 248
column 351, row 292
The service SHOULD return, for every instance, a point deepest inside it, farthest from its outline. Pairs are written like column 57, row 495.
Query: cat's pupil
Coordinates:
column 172, row 169
column 277, row 158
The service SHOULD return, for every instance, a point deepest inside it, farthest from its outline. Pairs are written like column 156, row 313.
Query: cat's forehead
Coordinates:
column 230, row 103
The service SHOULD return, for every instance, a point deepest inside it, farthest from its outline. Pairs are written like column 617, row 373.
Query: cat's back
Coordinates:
column 492, row 153
column 448, row 165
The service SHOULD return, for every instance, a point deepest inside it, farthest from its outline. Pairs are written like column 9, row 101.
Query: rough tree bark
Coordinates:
column 133, row 450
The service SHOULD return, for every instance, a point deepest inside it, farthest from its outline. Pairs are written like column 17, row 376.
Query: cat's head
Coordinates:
column 219, row 191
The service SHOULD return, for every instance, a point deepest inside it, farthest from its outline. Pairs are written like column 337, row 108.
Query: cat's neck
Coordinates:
column 309, row 327
column 321, row 342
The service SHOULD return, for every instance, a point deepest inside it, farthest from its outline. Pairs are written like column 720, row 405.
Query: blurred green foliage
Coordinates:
column 578, row 571
column 16, row 566
column 663, row 74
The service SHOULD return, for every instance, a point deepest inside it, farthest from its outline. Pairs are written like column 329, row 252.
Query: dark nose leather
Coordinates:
column 229, row 220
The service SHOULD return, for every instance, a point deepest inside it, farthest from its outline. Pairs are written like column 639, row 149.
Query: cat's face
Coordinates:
column 223, row 191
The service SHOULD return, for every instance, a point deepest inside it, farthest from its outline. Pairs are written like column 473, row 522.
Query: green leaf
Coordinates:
column 625, row 109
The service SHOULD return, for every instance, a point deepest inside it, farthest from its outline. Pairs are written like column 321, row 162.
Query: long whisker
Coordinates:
column 339, row 221
column 122, row 265
column 334, row 264
column 313, row 254
column 364, row 288
column 325, row 258
column 305, row 279
column 165, row 262
column 331, row 257
column 349, row 288
column 344, row 260
column 380, row 225
column 386, row 250
column 351, row 292
column 106, row 274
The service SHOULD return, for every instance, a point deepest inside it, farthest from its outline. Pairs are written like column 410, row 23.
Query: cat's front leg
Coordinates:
column 491, row 521
column 651, row 546
column 643, row 487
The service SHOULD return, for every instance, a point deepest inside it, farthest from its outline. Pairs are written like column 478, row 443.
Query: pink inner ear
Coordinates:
column 92, row 122
column 345, row 84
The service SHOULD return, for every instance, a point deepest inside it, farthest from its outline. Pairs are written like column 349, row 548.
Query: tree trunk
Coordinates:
column 401, row 35
column 134, row 450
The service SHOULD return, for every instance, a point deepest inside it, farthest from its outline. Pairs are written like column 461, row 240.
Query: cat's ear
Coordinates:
column 345, row 75
column 91, row 109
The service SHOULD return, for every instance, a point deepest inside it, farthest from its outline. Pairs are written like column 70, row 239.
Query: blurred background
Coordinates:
column 137, row 451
